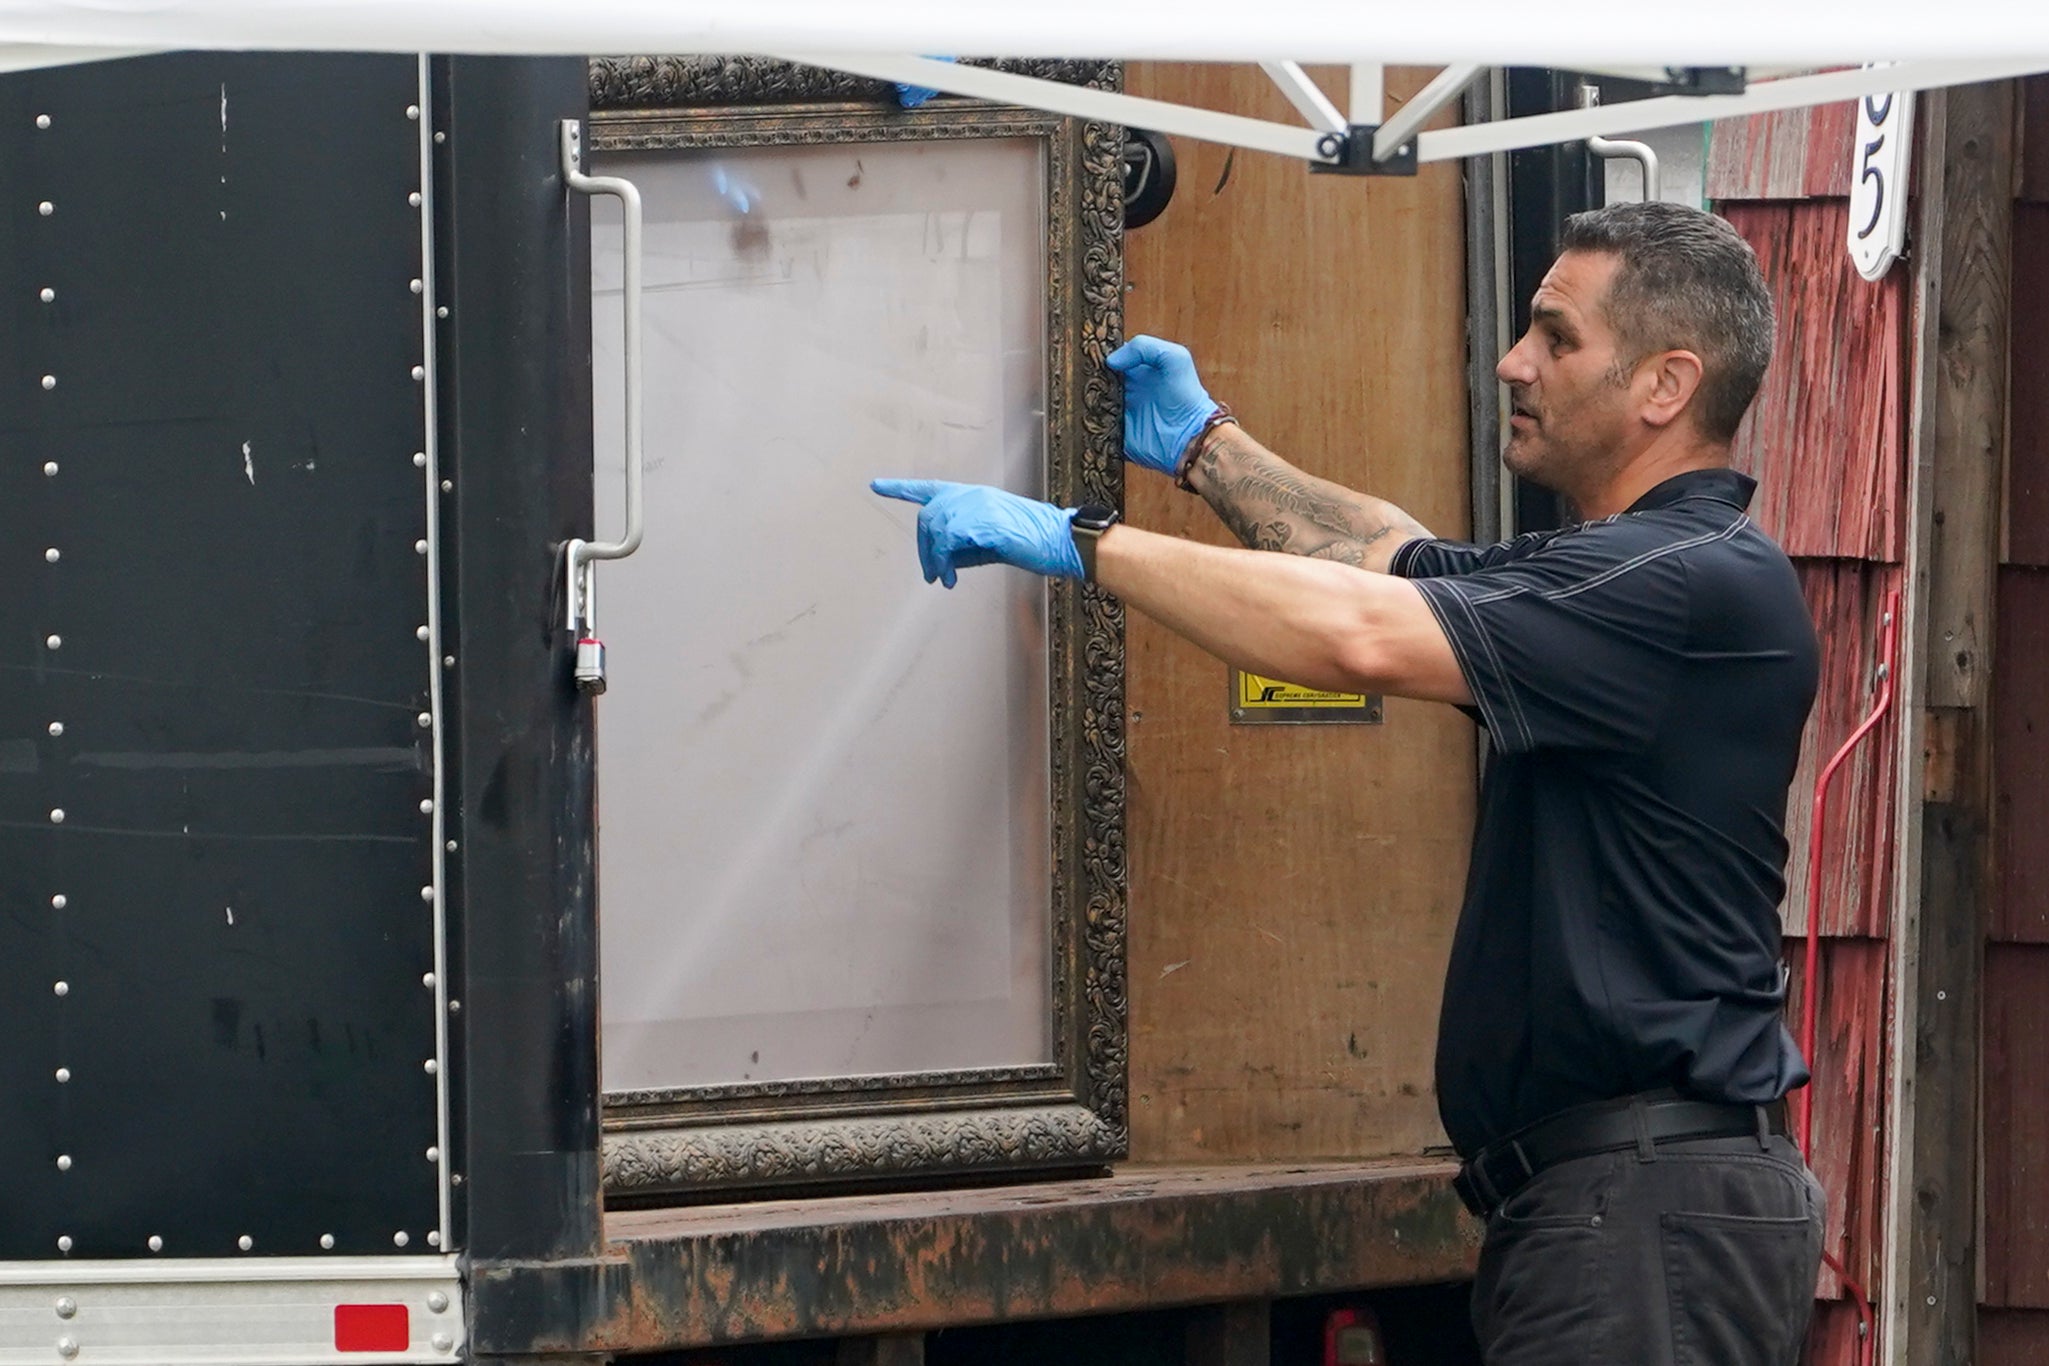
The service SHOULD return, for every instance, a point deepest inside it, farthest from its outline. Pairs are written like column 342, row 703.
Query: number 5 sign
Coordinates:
column 1878, row 181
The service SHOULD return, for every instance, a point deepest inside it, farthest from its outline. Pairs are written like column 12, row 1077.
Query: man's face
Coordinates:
column 1570, row 421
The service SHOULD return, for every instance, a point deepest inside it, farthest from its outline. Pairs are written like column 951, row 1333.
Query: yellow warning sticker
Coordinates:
column 1254, row 691
column 1257, row 698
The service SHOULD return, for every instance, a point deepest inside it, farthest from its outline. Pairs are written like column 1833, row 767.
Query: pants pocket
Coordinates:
column 1741, row 1287
column 1534, row 1296
column 1538, row 1294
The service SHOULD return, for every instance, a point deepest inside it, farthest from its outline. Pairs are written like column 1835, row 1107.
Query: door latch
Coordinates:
column 579, row 556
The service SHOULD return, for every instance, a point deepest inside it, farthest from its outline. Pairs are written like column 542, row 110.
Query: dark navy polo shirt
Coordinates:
column 1644, row 681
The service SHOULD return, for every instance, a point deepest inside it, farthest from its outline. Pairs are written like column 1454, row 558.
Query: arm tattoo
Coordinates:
column 1270, row 505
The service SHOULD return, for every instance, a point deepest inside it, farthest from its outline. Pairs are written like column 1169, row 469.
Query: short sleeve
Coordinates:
column 1429, row 558
column 1574, row 644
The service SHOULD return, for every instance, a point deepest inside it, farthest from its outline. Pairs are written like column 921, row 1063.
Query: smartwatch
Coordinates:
column 1088, row 524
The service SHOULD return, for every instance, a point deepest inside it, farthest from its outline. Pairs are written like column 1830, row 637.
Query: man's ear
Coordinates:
column 1671, row 379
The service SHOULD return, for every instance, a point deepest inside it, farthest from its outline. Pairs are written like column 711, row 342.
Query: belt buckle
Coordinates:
column 1469, row 1192
column 1477, row 1187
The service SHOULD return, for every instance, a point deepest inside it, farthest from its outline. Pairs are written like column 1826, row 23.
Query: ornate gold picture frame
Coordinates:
column 1071, row 1110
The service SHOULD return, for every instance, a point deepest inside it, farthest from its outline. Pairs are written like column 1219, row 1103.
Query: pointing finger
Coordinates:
column 909, row 490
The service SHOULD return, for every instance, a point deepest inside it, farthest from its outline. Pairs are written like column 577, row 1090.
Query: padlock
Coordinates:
column 590, row 666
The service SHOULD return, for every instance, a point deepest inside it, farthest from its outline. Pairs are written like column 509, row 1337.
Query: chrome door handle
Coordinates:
column 579, row 556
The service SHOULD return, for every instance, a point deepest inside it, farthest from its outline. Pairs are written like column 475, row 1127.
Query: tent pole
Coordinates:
column 1310, row 102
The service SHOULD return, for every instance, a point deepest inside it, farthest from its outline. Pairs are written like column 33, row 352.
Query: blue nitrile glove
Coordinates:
column 963, row 525
column 911, row 96
column 1165, row 404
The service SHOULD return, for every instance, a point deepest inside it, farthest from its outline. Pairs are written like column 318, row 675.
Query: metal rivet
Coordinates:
column 49, row 467
column 66, row 1348
column 443, row 1343
column 245, row 1242
column 63, row 1075
column 42, row 120
column 416, row 286
column 437, row 1302
column 425, row 718
column 441, row 137
column 433, row 1238
column 414, row 199
column 56, row 815
column 66, row 1307
column 52, row 555
column 59, row 901
column 54, row 642
column 419, row 460
column 62, row 988
column 64, row 1242
column 450, row 846
column 419, row 372
column 413, row 111
column 64, row 1162
column 426, row 894
column 421, row 632
column 1931, row 1299
column 427, row 979
column 448, row 662
column 46, row 208
column 56, row 728
column 427, row 806
column 48, row 295
column 156, row 1244
column 447, row 484
column 431, row 1066
column 327, row 1240
column 455, row 1178
column 399, row 1239
column 49, row 381
column 1942, row 996
column 419, row 547
column 441, row 311
column 455, row 1007
column 433, row 1154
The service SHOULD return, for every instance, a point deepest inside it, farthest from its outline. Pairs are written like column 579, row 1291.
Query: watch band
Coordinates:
column 1087, row 526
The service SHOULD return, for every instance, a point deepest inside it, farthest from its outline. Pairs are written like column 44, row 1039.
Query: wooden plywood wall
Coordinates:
column 1294, row 888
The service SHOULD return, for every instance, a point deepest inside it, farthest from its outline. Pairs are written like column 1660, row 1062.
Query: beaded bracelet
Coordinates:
column 1216, row 419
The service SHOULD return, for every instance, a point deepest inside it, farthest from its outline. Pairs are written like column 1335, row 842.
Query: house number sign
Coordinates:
column 1878, row 181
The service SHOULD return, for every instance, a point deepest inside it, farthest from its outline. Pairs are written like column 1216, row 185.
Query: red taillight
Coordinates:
column 372, row 1328
column 1351, row 1337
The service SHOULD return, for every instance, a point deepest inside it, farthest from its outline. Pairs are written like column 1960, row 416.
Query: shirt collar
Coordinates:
column 1722, row 484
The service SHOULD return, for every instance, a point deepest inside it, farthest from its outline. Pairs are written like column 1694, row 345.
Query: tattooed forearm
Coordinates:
column 1270, row 505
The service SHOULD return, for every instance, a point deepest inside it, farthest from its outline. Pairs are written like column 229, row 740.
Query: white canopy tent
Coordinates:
column 1925, row 45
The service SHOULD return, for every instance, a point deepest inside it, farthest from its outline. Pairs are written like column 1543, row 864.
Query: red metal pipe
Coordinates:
column 1811, row 970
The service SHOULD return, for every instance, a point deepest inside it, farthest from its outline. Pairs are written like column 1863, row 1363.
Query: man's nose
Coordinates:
column 1514, row 368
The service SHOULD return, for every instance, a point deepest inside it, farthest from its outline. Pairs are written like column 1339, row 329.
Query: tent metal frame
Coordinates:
column 1369, row 140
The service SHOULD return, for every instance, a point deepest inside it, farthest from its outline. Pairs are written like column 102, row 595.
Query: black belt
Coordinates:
column 1502, row 1168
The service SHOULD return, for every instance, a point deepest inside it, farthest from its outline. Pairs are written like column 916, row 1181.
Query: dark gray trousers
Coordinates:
column 1688, row 1254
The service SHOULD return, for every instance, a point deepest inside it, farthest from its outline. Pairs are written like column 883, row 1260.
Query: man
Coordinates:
column 1612, row 1058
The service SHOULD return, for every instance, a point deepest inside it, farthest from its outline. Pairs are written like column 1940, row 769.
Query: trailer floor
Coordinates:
column 1138, row 1238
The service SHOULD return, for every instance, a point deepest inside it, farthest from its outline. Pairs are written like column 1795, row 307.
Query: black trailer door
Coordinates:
column 220, row 862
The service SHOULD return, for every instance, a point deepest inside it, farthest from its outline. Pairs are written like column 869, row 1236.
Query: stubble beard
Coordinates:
column 1527, row 457
column 1568, row 467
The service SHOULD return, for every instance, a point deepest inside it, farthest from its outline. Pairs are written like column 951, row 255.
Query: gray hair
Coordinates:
column 1686, row 282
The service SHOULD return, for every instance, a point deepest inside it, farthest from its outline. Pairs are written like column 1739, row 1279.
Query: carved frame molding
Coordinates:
column 1073, row 1112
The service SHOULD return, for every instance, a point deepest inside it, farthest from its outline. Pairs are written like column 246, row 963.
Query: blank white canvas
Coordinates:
column 823, row 788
